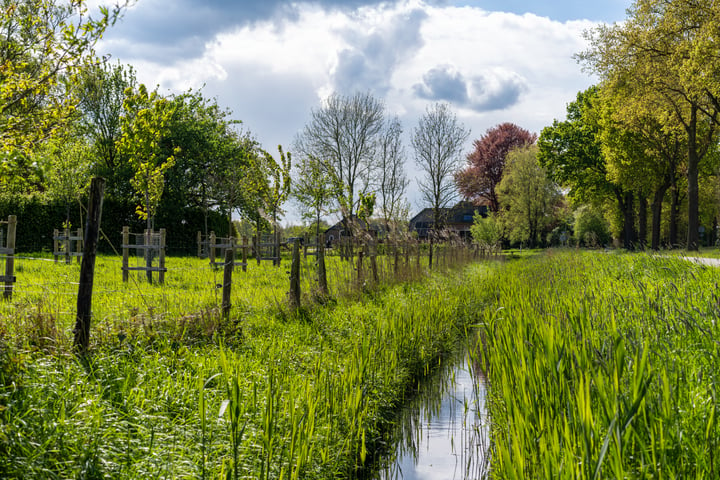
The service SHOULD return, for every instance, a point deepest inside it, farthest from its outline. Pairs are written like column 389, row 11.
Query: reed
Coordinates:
column 602, row 366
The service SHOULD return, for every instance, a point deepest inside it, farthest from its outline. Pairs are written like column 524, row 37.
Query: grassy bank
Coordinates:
column 171, row 390
column 603, row 366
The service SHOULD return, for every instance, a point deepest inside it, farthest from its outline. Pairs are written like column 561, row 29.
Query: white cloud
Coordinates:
column 502, row 67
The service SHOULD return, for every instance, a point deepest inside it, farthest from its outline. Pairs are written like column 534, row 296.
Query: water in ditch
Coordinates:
column 443, row 434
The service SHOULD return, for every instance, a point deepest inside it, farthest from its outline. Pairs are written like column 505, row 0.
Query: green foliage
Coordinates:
column 367, row 206
column 39, row 215
column 144, row 125
column 487, row 231
column 43, row 44
column 68, row 164
column 572, row 153
column 591, row 227
column 529, row 199
column 101, row 92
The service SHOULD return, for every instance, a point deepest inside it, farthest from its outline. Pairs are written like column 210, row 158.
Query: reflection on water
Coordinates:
column 444, row 431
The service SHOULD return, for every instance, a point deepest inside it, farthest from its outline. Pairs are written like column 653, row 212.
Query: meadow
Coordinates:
column 172, row 389
column 599, row 365
column 602, row 366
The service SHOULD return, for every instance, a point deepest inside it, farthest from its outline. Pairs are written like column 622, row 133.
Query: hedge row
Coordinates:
column 38, row 217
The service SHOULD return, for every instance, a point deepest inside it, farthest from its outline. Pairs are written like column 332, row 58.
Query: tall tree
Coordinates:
column 43, row 42
column 571, row 152
column 485, row 165
column 665, row 53
column 392, row 181
column 241, row 181
column 343, row 134
column 68, row 166
column 207, row 139
column 529, row 198
column 641, row 155
column 101, row 92
column 438, row 141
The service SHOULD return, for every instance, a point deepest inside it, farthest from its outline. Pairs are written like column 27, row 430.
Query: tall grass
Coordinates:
column 603, row 366
column 171, row 390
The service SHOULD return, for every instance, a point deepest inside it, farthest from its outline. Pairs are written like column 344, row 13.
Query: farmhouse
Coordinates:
column 457, row 219
column 339, row 230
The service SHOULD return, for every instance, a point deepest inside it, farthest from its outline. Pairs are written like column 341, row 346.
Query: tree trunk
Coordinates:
column 656, row 209
column 642, row 221
column 625, row 202
column 693, row 236
column 674, row 215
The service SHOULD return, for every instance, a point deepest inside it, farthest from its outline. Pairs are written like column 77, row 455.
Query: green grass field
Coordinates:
column 600, row 365
column 172, row 390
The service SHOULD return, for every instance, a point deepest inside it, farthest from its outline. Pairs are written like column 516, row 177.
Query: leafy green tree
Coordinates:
column 642, row 156
column 101, row 91
column 241, row 183
column 19, row 173
column 42, row 44
column 529, row 198
column 664, row 57
column 571, row 151
column 207, row 140
column 144, row 125
column 313, row 190
column 591, row 227
column 278, row 186
column 67, row 159
column 487, row 231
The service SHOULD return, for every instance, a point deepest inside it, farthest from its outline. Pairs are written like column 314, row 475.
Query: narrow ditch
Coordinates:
column 443, row 432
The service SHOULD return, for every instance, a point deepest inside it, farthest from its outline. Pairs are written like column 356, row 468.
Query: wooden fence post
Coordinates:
column 79, row 245
column 360, row 266
column 294, row 294
column 56, row 244
column 148, row 255
column 257, row 246
column 66, row 241
column 87, row 267
column 126, row 253
column 277, row 248
column 161, row 257
column 10, row 257
column 322, row 273
column 396, row 259
column 373, row 260
column 227, row 281
column 244, row 253
column 211, row 248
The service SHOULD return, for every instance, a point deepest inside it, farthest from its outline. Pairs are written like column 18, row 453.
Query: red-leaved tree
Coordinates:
column 485, row 165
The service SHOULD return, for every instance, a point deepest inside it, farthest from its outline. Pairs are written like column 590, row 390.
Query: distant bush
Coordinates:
column 591, row 228
column 39, row 216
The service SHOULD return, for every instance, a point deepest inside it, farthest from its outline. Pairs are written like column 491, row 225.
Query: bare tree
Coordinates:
column 438, row 142
column 392, row 181
column 343, row 135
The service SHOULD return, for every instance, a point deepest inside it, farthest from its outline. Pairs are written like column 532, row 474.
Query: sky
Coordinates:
column 272, row 62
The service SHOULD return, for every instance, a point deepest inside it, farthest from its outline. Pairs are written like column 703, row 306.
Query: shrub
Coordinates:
column 591, row 227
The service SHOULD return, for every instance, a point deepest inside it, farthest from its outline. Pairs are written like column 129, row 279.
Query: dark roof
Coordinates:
column 463, row 212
